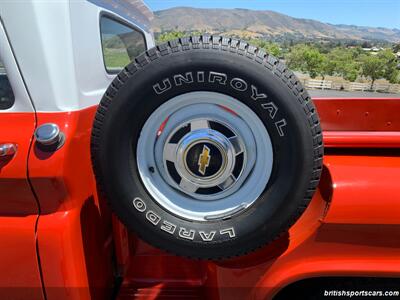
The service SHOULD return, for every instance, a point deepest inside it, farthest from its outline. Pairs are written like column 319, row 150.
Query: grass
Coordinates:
column 115, row 58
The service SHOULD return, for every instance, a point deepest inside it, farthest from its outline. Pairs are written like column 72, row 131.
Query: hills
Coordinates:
column 263, row 23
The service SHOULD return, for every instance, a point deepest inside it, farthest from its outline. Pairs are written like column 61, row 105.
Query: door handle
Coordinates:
column 7, row 149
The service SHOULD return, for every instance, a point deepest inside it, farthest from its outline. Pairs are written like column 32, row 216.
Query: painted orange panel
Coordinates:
column 366, row 189
column 74, row 230
column 16, row 197
column 19, row 272
column 19, row 269
column 361, row 139
column 362, row 114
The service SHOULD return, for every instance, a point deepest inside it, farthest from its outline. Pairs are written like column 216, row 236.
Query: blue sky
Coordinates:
column 376, row 13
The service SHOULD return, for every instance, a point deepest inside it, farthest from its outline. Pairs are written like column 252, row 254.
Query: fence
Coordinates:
column 318, row 84
column 351, row 86
column 394, row 88
column 355, row 86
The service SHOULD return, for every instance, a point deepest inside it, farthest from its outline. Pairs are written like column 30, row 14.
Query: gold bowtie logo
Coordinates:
column 204, row 160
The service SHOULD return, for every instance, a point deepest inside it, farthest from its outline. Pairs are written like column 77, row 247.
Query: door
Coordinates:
column 19, row 269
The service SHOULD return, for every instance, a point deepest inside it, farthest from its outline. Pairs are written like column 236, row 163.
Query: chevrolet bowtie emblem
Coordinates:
column 204, row 160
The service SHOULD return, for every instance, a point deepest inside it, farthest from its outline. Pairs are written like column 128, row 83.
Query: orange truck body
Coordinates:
column 58, row 238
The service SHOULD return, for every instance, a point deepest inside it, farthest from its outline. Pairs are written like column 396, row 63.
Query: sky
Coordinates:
column 375, row 13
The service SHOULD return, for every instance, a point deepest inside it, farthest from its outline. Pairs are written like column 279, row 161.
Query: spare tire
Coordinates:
column 207, row 147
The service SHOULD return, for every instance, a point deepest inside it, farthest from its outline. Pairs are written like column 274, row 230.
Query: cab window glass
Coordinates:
column 6, row 93
column 120, row 43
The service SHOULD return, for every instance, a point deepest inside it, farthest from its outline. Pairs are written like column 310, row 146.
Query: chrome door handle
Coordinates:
column 7, row 149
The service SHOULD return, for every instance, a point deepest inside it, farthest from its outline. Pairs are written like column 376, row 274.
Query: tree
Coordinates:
column 350, row 71
column 344, row 62
column 328, row 66
column 307, row 59
column 390, row 72
column 294, row 59
column 372, row 66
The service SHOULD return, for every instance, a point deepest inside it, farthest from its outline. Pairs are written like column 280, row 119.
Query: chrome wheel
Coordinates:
column 204, row 156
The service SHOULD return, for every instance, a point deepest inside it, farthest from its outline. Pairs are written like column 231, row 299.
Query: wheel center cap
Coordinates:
column 204, row 159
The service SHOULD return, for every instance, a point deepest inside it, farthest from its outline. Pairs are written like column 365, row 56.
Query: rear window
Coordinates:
column 6, row 93
column 120, row 42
